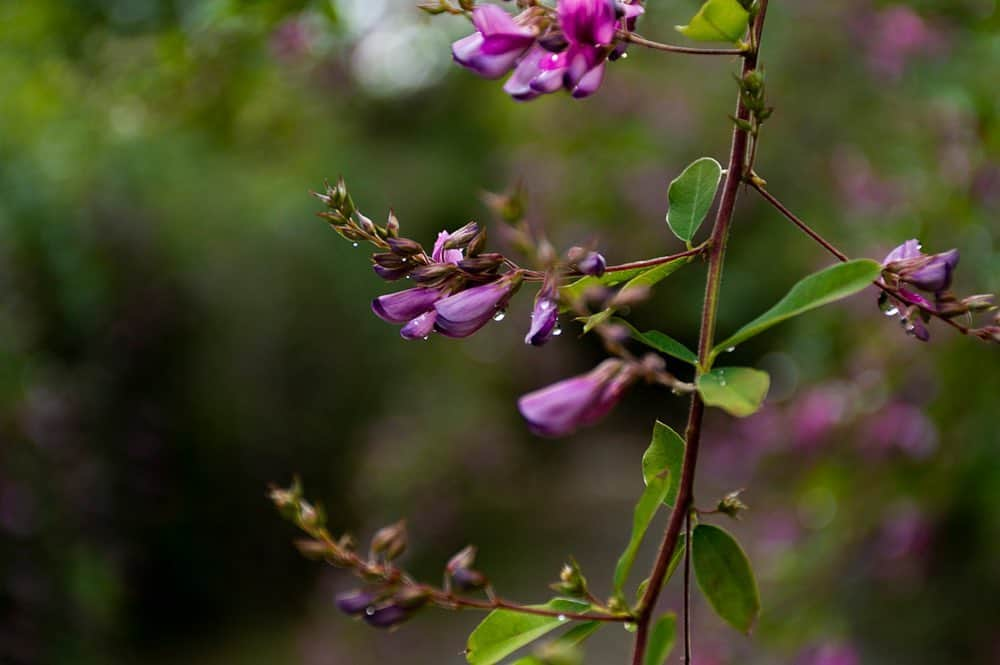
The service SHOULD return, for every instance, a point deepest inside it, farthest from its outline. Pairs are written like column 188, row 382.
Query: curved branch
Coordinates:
column 638, row 40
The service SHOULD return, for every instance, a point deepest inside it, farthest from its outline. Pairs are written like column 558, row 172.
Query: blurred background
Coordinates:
column 178, row 330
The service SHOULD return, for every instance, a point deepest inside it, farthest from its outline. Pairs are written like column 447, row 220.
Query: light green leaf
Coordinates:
column 739, row 391
column 666, row 451
column 816, row 290
column 594, row 320
column 653, row 276
column 571, row 638
column 650, row 501
column 661, row 640
column 575, row 291
column 718, row 21
column 691, row 195
column 724, row 576
column 661, row 342
column 503, row 632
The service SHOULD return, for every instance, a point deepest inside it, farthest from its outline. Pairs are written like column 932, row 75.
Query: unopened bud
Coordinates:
column 404, row 246
column 463, row 559
column 367, row 225
column 467, row 579
column 571, row 581
column 390, row 541
column 462, row 237
column 593, row 264
column 982, row 302
column 477, row 244
column 386, row 617
column 356, row 601
column 312, row 549
column 392, row 225
column 482, row 263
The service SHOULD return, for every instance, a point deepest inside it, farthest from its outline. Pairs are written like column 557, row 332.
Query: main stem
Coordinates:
column 692, row 435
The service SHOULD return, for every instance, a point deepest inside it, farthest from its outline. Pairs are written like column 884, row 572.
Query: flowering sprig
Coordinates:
column 459, row 287
column 390, row 596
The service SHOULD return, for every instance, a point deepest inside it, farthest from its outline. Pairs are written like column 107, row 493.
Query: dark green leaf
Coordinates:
column 503, row 632
column 718, row 21
column 661, row 640
column 661, row 342
column 691, row 195
column 666, row 451
column 816, row 290
column 739, row 391
column 724, row 576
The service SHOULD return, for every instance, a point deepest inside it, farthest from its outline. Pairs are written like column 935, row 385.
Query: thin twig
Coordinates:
column 755, row 183
column 501, row 604
column 687, row 590
column 633, row 38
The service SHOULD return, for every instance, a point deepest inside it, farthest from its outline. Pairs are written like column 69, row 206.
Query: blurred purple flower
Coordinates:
column 355, row 602
column 563, row 407
column 894, row 36
column 901, row 427
column 544, row 319
column 593, row 264
column 816, row 414
column 905, row 532
column 496, row 45
column 463, row 313
column 831, row 654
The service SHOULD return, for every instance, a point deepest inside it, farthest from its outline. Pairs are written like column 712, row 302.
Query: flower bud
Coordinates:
column 356, row 601
column 571, row 581
column 410, row 598
column 392, row 226
column 467, row 579
column 386, row 617
column 405, row 246
column 482, row 263
column 367, row 225
column 982, row 302
column 463, row 559
column 390, row 541
column 477, row 244
column 433, row 275
column 462, row 237
column 593, row 264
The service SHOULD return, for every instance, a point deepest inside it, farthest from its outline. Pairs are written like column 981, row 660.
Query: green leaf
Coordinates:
column 503, row 632
column 691, row 195
column 661, row 640
column 816, row 290
column 594, row 320
column 739, row 391
column 650, row 501
column 718, row 21
column 661, row 342
column 666, row 451
column 653, row 276
column 725, row 577
column 575, row 291
column 571, row 638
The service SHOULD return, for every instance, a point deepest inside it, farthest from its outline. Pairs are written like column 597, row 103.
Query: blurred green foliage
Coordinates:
column 178, row 331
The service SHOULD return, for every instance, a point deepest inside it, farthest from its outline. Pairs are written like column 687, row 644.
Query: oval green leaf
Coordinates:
column 666, row 451
column 503, row 632
column 739, row 391
column 718, row 21
column 661, row 640
column 725, row 577
column 691, row 195
column 821, row 288
column 661, row 342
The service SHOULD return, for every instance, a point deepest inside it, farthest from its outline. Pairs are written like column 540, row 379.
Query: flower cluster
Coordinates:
column 918, row 287
column 547, row 50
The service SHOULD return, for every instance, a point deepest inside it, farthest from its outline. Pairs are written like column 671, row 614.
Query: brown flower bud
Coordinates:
column 390, row 541
column 482, row 263
column 404, row 246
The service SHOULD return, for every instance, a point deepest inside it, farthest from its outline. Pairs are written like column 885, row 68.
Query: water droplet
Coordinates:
column 426, row 337
column 910, row 328
column 354, row 244
column 407, row 277
column 500, row 315
column 730, row 349
column 891, row 310
column 405, row 259
column 557, row 331
column 369, row 610
column 624, row 55
column 562, row 617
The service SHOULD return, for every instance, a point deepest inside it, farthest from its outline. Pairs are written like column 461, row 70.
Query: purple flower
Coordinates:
column 403, row 306
column 544, row 319
column 420, row 327
column 563, row 407
column 387, row 616
column 592, row 264
column 929, row 272
column 588, row 23
column 355, row 602
column 499, row 41
column 442, row 255
column 463, row 313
